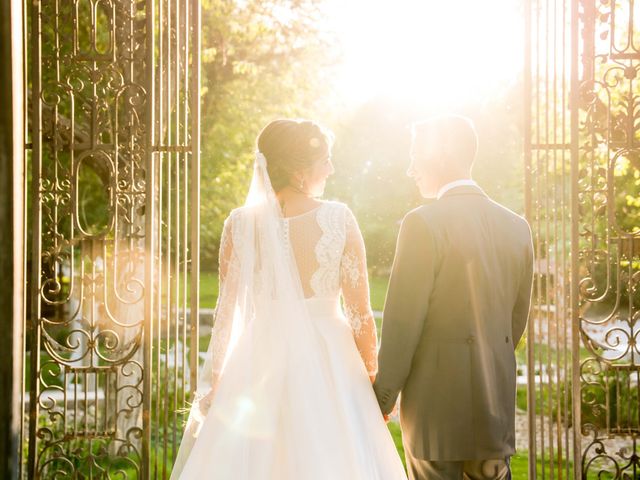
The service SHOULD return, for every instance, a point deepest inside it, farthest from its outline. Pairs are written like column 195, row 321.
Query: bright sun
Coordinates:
column 442, row 52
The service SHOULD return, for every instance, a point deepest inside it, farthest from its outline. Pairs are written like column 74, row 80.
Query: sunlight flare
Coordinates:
column 427, row 51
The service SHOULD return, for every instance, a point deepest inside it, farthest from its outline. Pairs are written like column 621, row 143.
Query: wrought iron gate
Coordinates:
column 114, row 215
column 582, row 154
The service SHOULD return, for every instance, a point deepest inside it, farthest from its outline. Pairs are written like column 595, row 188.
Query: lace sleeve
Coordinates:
column 355, row 292
column 223, row 315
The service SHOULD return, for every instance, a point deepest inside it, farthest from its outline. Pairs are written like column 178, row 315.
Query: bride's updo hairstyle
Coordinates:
column 291, row 146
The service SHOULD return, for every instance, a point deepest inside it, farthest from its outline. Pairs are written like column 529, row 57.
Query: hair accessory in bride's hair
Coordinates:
column 261, row 160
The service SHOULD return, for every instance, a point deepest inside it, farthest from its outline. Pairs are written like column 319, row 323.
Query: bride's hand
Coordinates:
column 208, row 398
column 372, row 378
column 393, row 413
column 205, row 402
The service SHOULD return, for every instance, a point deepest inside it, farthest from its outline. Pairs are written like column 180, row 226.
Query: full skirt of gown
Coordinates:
column 272, row 421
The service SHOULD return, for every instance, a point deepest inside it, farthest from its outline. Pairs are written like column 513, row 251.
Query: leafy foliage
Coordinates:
column 260, row 61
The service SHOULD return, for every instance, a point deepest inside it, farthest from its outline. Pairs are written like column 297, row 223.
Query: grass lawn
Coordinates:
column 378, row 291
column 520, row 466
column 396, row 433
column 209, row 290
column 519, row 462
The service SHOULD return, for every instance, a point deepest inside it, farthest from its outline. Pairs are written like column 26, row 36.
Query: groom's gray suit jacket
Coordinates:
column 457, row 305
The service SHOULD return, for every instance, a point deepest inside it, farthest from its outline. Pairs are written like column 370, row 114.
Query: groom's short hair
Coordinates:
column 450, row 136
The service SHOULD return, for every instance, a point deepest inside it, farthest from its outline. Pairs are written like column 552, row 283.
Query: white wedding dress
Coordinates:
column 293, row 397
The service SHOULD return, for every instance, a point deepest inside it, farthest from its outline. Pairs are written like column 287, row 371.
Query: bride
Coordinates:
column 285, row 392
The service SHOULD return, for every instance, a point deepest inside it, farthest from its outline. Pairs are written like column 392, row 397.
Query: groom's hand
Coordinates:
column 393, row 413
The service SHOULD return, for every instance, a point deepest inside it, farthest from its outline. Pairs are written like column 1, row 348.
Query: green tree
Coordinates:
column 261, row 60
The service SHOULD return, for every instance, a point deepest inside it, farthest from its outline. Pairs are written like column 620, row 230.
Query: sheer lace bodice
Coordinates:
column 330, row 257
column 286, row 356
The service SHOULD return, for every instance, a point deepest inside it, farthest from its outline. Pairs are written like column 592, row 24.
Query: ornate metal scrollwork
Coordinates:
column 111, row 245
column 583, row 176
column 90, row 90
column 609, row 257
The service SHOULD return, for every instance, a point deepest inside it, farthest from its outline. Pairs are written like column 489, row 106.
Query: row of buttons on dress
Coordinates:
column 285, row 233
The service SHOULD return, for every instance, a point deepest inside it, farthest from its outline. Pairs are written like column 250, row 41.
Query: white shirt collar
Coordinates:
column 456, row 183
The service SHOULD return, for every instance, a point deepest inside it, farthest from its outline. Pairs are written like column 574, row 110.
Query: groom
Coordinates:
column 457, row 305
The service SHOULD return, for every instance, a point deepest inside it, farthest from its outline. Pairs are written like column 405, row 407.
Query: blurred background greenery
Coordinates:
column 283, row 58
